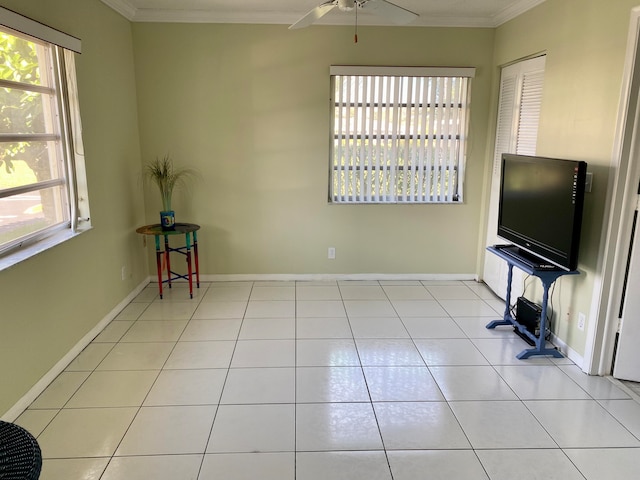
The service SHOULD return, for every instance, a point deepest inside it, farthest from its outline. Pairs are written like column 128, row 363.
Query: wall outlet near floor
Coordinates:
column 581, row 320
column 331, row 253
column 123, row 273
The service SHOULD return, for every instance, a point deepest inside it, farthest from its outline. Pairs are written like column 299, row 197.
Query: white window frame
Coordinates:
column 398, row 134
column 67, row 132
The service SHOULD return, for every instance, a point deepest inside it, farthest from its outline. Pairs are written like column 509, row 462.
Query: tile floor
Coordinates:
column 327, row 380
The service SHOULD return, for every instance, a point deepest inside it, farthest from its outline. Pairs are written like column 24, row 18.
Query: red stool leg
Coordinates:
column 159, row 264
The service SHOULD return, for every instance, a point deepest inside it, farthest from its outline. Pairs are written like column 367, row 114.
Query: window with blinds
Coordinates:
column 519, row 109
column 398, row 134
column 519, row 106
column 42, row 179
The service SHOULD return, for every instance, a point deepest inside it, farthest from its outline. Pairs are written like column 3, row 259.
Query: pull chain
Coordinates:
column 355, row 37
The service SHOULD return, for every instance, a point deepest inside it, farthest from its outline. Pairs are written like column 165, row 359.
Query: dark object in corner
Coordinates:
column 20, row 456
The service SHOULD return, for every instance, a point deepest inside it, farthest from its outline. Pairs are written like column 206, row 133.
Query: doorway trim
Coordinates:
column 621, row 203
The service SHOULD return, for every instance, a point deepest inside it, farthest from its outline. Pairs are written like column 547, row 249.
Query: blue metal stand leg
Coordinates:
column 541, row 341
column 547, row 277
column 507, row 319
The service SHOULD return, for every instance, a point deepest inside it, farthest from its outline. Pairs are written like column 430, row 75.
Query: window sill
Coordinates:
column 34, row 249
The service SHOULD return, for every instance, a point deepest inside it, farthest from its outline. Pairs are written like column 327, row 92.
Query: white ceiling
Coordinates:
column 457, row 13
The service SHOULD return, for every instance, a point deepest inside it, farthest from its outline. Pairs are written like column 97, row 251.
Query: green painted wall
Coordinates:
column 585, row 42
column 52, row 300
column 248, row 107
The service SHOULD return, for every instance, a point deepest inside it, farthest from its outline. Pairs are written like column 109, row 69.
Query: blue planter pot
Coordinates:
column 168, row 220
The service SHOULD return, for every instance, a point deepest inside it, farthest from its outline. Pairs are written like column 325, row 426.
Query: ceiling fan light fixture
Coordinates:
column 346, row 5
column 381, row 8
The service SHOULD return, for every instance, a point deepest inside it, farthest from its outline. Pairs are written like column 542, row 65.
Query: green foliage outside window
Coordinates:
column 21, row 110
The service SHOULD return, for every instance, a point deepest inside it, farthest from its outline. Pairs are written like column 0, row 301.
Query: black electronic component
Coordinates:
column 528, row 315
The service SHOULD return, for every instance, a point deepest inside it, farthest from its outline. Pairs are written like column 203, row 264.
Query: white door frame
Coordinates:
column 621, row 203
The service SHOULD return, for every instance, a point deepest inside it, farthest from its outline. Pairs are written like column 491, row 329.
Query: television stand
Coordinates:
column 547, row 275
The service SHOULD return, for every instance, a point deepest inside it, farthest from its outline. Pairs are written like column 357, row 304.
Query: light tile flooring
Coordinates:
column 327, row 380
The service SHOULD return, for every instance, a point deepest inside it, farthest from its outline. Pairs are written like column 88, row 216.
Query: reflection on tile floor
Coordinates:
column 327, row 380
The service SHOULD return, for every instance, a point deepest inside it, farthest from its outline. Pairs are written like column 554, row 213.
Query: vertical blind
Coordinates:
column 398, row 134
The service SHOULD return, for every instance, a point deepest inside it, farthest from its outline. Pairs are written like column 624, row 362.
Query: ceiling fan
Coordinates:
column 382, row 8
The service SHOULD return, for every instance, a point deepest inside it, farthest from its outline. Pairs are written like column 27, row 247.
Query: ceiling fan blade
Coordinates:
column 314, row 15
column 393, row 12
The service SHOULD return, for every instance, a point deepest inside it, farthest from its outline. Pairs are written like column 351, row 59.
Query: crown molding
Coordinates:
column 123, row 7
column 133, row 14
column 280, row 18
column 515, row 10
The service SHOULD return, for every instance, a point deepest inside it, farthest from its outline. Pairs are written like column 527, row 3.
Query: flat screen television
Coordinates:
column 540, row 210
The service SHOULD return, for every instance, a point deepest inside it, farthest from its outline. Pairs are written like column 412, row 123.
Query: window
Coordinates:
column 42, row 185
column 519, row 106
column 398, row 134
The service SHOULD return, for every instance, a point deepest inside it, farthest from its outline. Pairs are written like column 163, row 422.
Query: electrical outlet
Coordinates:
column 581, row 321
column 331, row 253
column 123, row 273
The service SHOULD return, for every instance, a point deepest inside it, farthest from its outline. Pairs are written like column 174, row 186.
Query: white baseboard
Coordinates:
column 305, row 277
column 567, row 351
column 22, row 404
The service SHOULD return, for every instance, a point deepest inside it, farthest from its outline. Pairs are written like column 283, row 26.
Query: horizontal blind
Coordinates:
column 398, row 139
column 504, row 127
column 530, row 105
column 40, row 135
column 519, row 103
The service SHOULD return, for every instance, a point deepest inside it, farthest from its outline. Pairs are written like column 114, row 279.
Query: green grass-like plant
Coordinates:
column 167, row 177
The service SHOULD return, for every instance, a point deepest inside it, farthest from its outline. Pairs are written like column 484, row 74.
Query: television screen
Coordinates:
column 540, row 210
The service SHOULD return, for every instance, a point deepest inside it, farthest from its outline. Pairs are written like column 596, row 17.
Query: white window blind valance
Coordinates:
column 468, row 72
column 19, row 23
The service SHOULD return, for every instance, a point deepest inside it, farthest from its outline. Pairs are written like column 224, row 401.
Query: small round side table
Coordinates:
column 190, row 239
